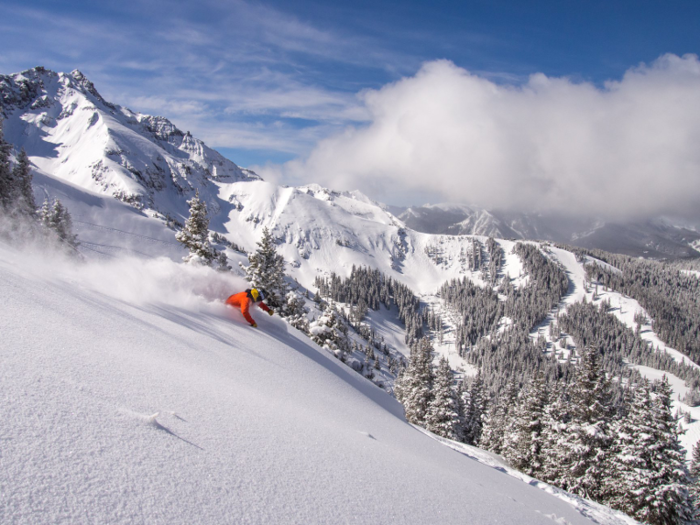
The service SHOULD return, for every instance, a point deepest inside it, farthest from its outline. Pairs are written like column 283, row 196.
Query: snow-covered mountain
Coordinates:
column 660, row 238
column 71, row 132
column 318, row 231
column 161, row 326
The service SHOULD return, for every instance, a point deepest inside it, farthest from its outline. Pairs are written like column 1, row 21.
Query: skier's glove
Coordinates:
column 254, row 325
column 271, row 312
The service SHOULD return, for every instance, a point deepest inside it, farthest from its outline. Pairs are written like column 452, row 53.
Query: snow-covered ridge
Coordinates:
column 663, row 237
column 71, row 132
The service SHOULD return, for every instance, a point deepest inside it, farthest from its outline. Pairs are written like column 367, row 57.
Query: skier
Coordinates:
column 243, row 301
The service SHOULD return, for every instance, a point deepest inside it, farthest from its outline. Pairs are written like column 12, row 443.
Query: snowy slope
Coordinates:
column 149, row 402
column 71, row 132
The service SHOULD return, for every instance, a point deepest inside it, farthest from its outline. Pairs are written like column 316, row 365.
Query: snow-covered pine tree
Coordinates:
column 295, row 311
column 695, row 461
column 556, row 419
column 664, row 493
column 694, row 490
column 474, row 411
column 195, row 234
column 442, row 417
column 496, row 422
column 266, row 271
column 329, row 332
column 413, row 387
column 584, row 449
column 632, row 436
column 55, row 218
column 525, row 452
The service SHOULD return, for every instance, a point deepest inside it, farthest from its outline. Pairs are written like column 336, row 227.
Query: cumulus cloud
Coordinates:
column 627, row 149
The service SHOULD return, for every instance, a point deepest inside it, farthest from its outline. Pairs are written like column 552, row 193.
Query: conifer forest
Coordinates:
column 569, row 408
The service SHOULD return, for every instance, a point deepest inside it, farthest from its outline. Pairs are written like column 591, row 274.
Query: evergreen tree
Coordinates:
column 694, row 489
column 556, row 419
column 474, row 411
column 663, row 495
column 295, row 311
column 329, row 332
column 56, row 219
column 442, row 417
column 633, row 436
column 195, row 234
column 497, row 420
column 413, row 387
column 526, row 444
column 7, row 186
column 695, row 461
column 586, row 440
column 266, row 270
column 23, row 193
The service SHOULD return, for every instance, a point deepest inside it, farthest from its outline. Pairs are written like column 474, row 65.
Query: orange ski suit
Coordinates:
column 243, row 301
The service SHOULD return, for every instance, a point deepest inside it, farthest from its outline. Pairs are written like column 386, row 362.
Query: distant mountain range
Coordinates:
column 658, row 238
column 72, row 133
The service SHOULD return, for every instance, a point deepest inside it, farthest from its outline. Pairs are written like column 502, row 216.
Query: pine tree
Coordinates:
column 329, row 332
column 7, row 185
column 496, row 421
column 474, row 411
column 24, row 194
column 663, row 495
column 56, row 219
column 413, row 387
column 633, row 436
column 296, row 311
column 442, row 417
column 195, row 235
column 694, row 490
column 525, row 452
column 556, row 419
column 266, row 270
column 586, row 440
column 695, row 461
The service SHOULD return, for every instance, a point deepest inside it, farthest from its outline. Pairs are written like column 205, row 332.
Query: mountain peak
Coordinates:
column 82, row 82
column 68, row 129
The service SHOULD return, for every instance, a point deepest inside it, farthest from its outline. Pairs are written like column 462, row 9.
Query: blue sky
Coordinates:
column 265, row 82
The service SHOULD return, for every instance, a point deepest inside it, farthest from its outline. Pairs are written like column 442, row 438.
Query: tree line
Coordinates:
column 368, row 288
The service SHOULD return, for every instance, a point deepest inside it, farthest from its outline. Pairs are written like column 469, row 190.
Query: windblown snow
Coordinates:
column 130, row 394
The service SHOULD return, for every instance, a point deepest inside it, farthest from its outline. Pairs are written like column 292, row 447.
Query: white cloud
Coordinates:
column 628, row 149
